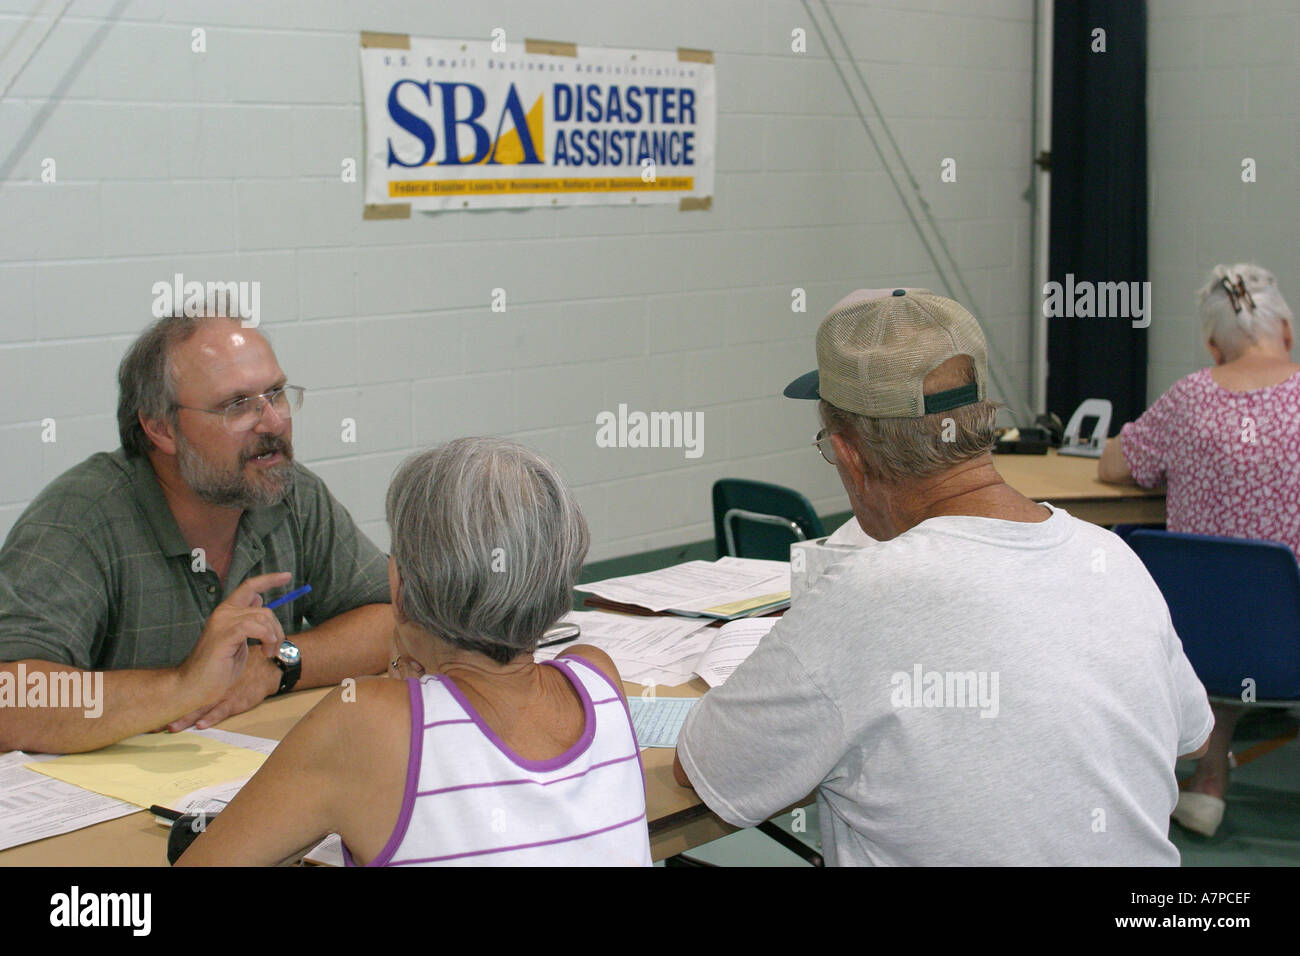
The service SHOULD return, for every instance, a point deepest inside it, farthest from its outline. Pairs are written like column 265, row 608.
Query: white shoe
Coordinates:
column 1199, row 812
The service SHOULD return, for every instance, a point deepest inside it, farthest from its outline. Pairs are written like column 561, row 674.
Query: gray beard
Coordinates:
column 232, row 489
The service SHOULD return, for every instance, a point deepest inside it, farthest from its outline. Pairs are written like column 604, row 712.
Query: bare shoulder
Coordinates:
column 598, row 659
column 358, row 734
column 357, row 706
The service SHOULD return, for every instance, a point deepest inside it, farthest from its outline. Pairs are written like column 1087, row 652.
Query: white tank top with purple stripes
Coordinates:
column 472, row 801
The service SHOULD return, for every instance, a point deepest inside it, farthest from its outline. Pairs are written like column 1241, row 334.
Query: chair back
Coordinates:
column 1235, row 604
column 1124, row 530
column 756, row 519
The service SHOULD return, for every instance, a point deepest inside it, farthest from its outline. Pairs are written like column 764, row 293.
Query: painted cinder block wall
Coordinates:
column 1223, row 84
column 226, row 165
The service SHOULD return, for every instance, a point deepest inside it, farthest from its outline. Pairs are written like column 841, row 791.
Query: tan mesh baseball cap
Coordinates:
column 876, row 346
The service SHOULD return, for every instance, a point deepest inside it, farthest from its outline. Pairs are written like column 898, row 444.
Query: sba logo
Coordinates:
column 463, row 106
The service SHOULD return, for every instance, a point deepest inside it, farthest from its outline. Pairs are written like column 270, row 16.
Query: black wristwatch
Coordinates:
column 289, row 660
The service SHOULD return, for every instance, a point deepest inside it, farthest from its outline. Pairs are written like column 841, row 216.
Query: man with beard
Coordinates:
column 149, row 564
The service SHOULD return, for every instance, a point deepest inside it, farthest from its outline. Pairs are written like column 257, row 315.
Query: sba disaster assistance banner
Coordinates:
column 450, row 124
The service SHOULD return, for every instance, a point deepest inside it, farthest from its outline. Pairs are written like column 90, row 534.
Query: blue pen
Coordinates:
column 286, row 598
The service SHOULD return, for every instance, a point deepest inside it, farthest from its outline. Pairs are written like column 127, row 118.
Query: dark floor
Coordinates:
column 1262, row 824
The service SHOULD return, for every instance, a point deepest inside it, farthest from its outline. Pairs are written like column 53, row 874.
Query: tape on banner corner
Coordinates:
column 385, row 41
column 394, row 210
column 687, row 203
column 551, row 47
column 694, row 56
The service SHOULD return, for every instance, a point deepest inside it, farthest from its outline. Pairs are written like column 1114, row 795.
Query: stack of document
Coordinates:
column 66, row 793
column 34, row 806
column 731, row 644
column 726, row 589
column 666, row 651
column 646, row 650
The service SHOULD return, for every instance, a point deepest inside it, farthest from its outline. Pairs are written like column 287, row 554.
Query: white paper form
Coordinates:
column 669, row 640
column 696, row 585
column 730, row 646
column 209, row 800
column 34, row 806
column 639, row 636
column 671, row 665
column 673, row 675
column 646, row 650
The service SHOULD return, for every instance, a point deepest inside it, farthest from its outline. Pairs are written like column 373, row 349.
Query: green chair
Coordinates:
column 757, row 519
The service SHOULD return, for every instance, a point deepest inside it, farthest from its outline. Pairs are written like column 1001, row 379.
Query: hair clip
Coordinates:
column 1237, row 293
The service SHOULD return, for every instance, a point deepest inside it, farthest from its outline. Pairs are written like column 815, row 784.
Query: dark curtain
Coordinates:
column 1098, row 228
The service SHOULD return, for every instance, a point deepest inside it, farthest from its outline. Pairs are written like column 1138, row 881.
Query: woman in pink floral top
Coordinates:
column 1226, row 441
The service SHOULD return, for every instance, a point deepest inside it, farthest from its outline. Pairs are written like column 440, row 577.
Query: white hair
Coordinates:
column 488, row 542
column 1234, row 322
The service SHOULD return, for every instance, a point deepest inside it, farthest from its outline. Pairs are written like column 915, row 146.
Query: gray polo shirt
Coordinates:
column 95, row 573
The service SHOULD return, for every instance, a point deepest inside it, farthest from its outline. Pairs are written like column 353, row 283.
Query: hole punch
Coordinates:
column 1074, row 442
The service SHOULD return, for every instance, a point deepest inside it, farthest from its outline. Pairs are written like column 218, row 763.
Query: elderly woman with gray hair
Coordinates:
column 487, row 758
column 1226, row 433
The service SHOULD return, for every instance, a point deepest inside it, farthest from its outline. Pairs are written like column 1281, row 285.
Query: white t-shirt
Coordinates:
column 973, row 692
column 851, row 533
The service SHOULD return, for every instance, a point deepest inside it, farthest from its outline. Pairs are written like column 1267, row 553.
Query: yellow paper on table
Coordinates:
column 154, row 768
column 748, row 604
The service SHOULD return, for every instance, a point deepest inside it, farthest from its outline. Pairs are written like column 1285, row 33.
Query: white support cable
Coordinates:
column 15, row 40
column 957, row 290
column 54, row 21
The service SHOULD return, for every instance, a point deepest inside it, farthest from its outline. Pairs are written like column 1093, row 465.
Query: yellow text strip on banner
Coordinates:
column 490, row 187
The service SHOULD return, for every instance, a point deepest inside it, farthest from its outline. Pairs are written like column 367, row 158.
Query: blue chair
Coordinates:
column 1235, row 604
column 1124, row 530
column 756, row 519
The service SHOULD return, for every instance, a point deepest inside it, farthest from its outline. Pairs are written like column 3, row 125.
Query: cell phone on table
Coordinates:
column 561, row 633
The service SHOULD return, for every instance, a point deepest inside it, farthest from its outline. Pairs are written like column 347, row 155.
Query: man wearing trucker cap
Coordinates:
column 993, row 682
